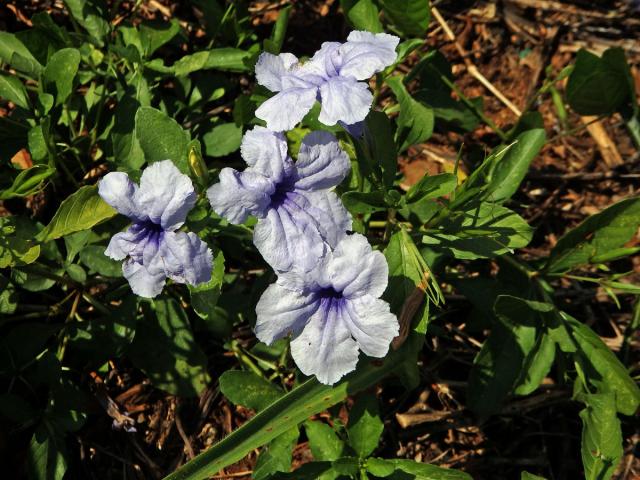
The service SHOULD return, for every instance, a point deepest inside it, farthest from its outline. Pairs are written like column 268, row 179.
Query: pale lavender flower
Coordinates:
column 332, row 76
column 299, row 218
column 333, row 311
column 152, row 247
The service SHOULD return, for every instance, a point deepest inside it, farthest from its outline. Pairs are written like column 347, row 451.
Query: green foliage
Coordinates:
column 164, row 348
column 362, row 15
column 409, row 17
column 85, row 91
column 599, row 85
column 601, row 436
column 248, row 389
column 600, row 237
column 80, row 211
column 161, row 138
column 365, row 426
column 415, row 122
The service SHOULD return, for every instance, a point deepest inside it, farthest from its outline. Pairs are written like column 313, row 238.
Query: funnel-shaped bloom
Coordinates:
column 299, row 218
column 333, row 311
column 152, row 246
column 332, row 76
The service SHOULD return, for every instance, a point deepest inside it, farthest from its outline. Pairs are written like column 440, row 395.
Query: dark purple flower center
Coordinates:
column 330, row 293
column 279, row 196
column 330, row 299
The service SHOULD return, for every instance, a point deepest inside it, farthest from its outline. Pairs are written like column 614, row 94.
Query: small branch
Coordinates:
column 471, row 68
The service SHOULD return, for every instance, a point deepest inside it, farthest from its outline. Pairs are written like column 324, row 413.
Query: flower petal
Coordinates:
column 333, row 220
column 288, row 236
column 321, row 162
column 240, row 194
column 118, row 191
column 354, row 269
column 324, row 64
column 371, row 324
column 266, row 153
column 271, row 68
column 141, row 281
column 287, row 108
column 325, row 347
column 165, row 194
column 344, row 99
column 366, row 53
column 281, row 311
column 187, row 259
column 123, row 244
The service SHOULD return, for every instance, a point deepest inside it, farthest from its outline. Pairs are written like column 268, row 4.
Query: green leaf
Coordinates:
column 410, row 280
column 348, row 466
column 501, row 173
column 161, row 138
column 416, row 470
column 450, row 114
column 604, row 371
column 165, row 349
column 155, row 34
column 432, row 186
column 222, row 140
column 506, row 174
column 415, row 122
column 16, row 242
column 599, row 85
column 380, row 152
column 204, row 297
column 365, row 425
column 601, row 444
column 38, row 140
column 248, row 389
column 323, row 441
column 79, row 211
column 364, row 203
column 293, row 408
column 8, row 296
column 481, row 231
column 12, row 89
column 598, row 235
column 16, row 54
column 530, row 476
column 28, row 182
column 45, row 458
column 87, row 13
column 94, row 258
column 276, row 457
column 60, row 72
column 126, row 146
column 309, row 471
column 408, row 271
column 225, row 59
column 97, row 341
column 508, row 356
column 362, row 15
column 273, row 44
column 410, row 17
column 537, row 365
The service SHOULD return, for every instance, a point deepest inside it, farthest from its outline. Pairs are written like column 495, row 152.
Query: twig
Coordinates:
column 471, row 68
column 233, row 475
column 185, row 438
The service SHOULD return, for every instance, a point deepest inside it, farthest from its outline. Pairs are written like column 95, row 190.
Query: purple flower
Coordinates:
column 333, row 311
column 298, row 217
column 152, row 246
column 331, row 76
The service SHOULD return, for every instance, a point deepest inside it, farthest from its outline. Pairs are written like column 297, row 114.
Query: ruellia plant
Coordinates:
column 159, row 194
